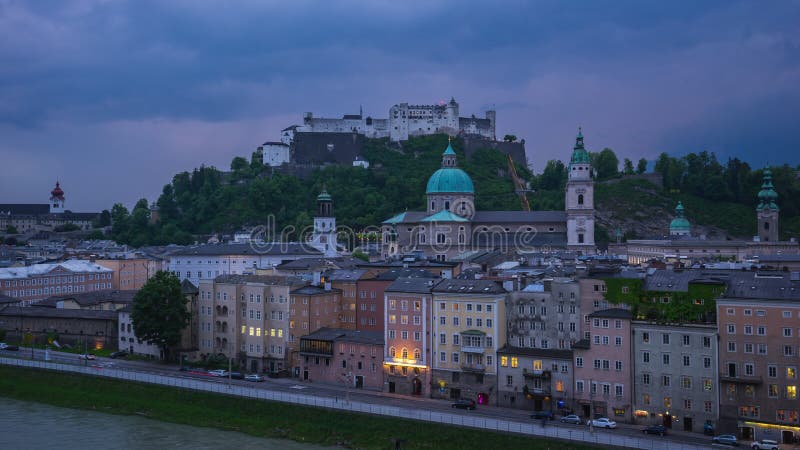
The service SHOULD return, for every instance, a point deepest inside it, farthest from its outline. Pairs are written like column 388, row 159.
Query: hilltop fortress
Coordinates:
column 319, row 140
column 404, row 120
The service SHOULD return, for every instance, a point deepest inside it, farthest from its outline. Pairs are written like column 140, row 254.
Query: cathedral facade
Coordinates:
column 451, row 225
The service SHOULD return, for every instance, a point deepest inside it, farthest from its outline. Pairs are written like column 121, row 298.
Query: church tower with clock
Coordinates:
column 579, row 202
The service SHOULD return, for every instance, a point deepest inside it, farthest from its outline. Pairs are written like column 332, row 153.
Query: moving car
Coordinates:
column 463, row 403
column 218, row 373
column 603, row 422
column 572, row 418
column 655, row 429
column 253, row 377
column 11, row 348
column 119, row 354
column 542, row 415
column 765, row 444
column 88, row 356
column 727, row 439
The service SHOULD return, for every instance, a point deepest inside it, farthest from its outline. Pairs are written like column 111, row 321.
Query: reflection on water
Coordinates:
column 27, row 425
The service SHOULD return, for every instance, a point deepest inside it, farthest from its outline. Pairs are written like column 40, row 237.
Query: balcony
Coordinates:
column 741, row 379
column 472, row 349
column 529, row 373
column 473, row 367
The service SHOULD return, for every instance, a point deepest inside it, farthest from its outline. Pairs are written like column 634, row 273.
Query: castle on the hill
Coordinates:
column 404, row 120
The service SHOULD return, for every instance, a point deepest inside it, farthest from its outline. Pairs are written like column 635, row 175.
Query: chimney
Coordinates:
column 327, row 285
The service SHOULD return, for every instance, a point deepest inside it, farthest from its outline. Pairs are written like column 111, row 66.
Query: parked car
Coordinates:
column 603, row 422
column 4, row 346
column 660, row 430
column 253, row 377
column 218, row 373
column 119, row 354
column 727, row 439
column 765, row 444
column 572, row 418
column 542, row 415
column 237, row 375
column 88, row 356
column 463, row 403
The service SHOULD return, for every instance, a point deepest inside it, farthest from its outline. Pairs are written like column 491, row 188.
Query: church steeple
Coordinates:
column 767, row 211
column 579, row 200
column 449, row 156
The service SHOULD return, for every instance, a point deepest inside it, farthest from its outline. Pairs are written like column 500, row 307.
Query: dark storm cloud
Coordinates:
column 117, row 87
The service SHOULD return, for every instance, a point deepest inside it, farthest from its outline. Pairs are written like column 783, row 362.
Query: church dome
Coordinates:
column 57, row 192
column 679, row 224
column 449, row 178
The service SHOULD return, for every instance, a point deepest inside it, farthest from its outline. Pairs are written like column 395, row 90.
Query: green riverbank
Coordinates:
column 256, row 418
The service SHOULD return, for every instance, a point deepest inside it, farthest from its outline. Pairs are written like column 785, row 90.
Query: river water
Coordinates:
column 28, row 425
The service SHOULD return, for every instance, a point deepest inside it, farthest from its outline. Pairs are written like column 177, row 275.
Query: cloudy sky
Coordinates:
column 114, row 97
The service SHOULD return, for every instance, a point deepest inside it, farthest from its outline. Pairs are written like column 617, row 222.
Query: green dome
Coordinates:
column 449, row 180
column 324, row 196
column 767, row 195
column 579, row 153
column 679, row 223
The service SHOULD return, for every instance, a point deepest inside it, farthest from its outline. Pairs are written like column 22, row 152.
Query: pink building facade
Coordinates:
column 342, row 357
column 407, row 354
column 603, row 367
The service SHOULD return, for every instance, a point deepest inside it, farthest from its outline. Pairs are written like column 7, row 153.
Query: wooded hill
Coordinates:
column 208, row 200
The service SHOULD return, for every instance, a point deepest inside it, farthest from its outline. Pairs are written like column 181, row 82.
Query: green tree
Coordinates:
column 159, row 312
column 11, row 229
column 360, row 255
column 554, row 175
column 627, row 167
column 510, row 138
column 641, row 166
column 605, row 163
column 102, row 220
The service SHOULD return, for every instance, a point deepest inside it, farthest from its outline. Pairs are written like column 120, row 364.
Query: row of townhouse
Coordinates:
column 589, row 345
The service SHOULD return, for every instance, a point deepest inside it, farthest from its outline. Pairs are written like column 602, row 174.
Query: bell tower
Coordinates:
column 767, row 210
column 324, row 235
column 579, row 201
column 57, row 200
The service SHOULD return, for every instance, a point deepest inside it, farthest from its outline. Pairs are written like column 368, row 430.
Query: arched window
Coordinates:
column 447, row 205
column 440, row 238
column 433, row 206
column 766, row 225
column 405, row 353
column 392, row 352
column 417, row 354
column 580, row 199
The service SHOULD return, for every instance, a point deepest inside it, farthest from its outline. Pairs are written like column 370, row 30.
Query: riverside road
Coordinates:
column 341, row 397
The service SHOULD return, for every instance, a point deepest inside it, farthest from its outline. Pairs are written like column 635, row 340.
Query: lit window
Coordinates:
column 514, row 362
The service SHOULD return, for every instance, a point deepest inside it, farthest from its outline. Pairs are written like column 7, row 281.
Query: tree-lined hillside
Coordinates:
column 720, row 199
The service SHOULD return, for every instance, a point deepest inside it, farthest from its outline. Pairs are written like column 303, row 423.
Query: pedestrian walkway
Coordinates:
column 465, row 420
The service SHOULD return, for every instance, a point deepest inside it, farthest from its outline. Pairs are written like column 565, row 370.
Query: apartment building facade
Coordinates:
column 469, row 327
column 758, row 323
column 675, row 375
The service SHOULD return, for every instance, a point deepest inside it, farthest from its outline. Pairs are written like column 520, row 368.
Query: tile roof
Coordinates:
column 536, row 352
column 277, row 248
column 72, row 265
column 450, row 286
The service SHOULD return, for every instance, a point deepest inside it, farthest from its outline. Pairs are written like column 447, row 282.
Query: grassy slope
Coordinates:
column 257, row 418
column 637, row 200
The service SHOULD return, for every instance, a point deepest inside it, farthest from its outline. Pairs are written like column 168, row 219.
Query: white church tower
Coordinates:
column 57, row 200
column 324, row 236
column 579, row 202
